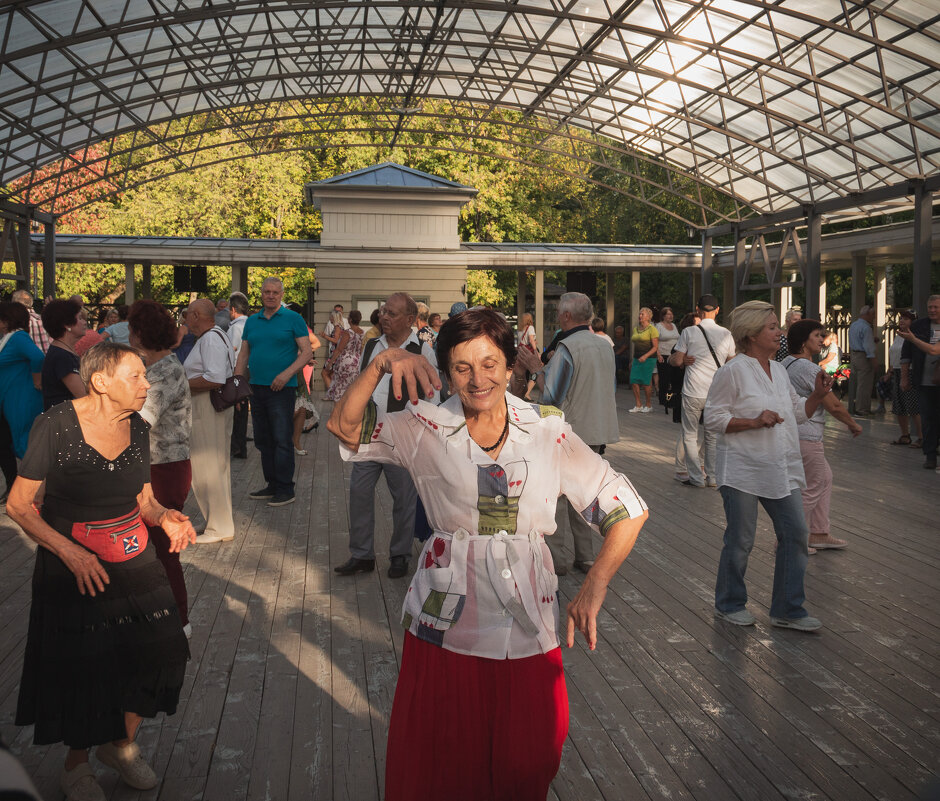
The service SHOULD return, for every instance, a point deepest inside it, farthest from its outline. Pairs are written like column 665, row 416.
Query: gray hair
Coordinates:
column 238, row 302
column 23, row 297
column 103, row 358
column 578, row 305
column 411, row 308
column 865, row 310
column 748, row 319
column 423, row 312
column 273, row 279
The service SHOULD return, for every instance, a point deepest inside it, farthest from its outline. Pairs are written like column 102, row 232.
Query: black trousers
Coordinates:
column 240, row 430
column 7, row 454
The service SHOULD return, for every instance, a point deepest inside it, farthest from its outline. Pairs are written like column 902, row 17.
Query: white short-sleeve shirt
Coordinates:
column 211, row 357
column 485, row 583
column 698, row 376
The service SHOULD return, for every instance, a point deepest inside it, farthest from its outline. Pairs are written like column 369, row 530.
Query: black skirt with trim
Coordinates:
column 91, row 659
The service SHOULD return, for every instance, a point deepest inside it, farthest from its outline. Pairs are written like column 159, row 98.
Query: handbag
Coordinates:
column 235, row 390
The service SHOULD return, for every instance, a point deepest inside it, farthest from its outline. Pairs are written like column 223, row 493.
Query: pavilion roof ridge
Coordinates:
column 389, row 174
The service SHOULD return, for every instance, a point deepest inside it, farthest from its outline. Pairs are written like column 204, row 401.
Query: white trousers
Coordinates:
column 692, row 409
column 210, row 456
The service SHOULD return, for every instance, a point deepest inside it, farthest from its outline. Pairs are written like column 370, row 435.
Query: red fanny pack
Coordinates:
column 114, row 540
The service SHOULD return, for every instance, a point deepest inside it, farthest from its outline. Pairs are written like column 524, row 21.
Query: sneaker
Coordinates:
column 646, row 409
column 711, row 483
column 740, row 618
column 681, row 477
column 800, row 623
column 81, row 784
column 262, row 494
column 690, row 483
column 281, row 499
column 188, row 631
column 635, row 409
column 300, row 451
column 399, row 567
column 129, row 762
column 210, row 538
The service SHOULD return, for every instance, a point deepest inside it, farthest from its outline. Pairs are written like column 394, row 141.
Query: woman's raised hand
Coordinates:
column 824, row 383
column 178, row 529
column 408, row 371
column 528, row 359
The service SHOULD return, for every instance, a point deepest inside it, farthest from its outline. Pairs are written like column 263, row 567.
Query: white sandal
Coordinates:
column 81, row 784
column 130, row 763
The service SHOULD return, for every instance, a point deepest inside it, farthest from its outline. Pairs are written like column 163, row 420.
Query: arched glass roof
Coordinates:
column 773, row 104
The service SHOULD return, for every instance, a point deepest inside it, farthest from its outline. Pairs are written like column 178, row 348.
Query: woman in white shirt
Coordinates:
column 481, row 702
column 805, row 341
column 754, row 410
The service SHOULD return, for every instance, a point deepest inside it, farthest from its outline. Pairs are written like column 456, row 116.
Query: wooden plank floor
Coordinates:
column 293, row 669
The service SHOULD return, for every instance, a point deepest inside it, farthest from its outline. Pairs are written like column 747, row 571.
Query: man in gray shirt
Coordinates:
column 580, row 380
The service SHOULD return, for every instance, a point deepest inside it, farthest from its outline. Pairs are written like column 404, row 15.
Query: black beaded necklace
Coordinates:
column 503, row 434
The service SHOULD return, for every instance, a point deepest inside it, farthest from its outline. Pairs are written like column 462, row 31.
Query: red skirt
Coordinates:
column 467, row 728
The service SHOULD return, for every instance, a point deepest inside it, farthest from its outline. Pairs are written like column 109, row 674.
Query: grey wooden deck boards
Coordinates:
column 290, row 687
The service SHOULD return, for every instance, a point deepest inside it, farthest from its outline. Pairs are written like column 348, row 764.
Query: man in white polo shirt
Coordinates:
column 701, row 349
column 208, row 366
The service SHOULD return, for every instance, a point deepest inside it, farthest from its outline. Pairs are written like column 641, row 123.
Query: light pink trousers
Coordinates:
column 818, row 492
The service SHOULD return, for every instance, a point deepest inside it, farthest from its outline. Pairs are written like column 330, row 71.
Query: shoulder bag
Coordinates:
column 710, row 348
column 233, row 391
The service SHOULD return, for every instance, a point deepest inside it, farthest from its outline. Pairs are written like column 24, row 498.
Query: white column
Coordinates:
column 881, row 296
column 540, row 308
column 858, row 281
column 634, row 300
column 822, row 298
column 129, row 284
column 610, row 302
column 520, row 294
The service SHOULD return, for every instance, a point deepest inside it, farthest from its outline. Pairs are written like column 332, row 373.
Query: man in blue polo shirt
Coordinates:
column 275, row 345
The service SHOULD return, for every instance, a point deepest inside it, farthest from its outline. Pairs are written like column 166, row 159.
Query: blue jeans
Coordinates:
column 792, row 538
column 272, row 415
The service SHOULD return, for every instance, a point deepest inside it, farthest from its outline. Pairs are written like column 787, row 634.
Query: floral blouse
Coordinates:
column 485, row 584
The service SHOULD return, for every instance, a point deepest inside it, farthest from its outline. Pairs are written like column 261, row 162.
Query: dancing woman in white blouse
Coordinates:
column 481, row 709
column 754, row 410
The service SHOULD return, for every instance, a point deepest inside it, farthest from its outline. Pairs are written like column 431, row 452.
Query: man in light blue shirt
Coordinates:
column 862, row 358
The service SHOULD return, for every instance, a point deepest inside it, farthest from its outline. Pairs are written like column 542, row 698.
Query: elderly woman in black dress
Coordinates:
column 105, row 646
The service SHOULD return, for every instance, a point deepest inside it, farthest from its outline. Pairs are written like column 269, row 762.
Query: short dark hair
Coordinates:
column 152, row 324
column 15, row 315
column 908, row 314
column 355, row 316
column 598, row 324
column 799, row 332
column 374, row 317
column 122, row 312
column 472, row 324
column 58, row 315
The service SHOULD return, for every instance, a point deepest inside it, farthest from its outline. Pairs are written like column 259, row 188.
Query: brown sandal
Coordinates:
column 904, row 439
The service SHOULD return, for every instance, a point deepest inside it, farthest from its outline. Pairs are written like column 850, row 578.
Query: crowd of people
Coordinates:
column 104, row 433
